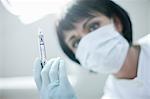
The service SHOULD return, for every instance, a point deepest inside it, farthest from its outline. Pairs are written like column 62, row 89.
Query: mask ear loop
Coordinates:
column 113, row 23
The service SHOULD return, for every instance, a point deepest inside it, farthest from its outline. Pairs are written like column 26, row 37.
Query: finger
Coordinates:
column 53, row 85
column 62, row 72
column 37, row 72
column 45, row 72
column 53, row 74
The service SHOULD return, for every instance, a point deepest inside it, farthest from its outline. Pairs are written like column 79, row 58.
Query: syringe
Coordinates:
column 42, row 48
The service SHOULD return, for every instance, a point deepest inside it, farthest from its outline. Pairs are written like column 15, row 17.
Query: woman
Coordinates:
column 97, row 34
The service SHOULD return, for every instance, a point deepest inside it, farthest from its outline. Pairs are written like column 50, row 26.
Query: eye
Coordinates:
column 75, row 43
column 93, row 26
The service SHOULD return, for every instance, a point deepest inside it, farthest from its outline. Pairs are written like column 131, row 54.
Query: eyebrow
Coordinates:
column 84, row 25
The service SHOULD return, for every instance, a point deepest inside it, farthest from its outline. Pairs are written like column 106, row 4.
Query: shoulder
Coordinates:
column 144, row 42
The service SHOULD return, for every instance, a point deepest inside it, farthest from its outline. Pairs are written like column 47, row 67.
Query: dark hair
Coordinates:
column 81, row 9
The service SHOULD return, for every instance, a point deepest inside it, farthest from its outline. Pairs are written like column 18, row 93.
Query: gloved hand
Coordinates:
column 52, row 81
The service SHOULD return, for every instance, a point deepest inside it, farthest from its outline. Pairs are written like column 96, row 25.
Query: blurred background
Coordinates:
column 19, row 48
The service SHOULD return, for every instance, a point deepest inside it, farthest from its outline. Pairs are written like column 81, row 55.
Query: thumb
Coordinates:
column 37, row 72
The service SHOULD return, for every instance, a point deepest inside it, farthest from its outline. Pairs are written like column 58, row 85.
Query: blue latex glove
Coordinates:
column 52, row 81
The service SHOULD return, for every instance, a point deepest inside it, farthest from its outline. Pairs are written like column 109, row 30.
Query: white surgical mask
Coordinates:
column 103, row 50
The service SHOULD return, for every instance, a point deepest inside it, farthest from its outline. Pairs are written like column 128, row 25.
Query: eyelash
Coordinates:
column 95, row 25
column 75, row 43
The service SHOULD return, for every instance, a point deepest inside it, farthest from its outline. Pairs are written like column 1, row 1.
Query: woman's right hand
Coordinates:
column 52, row 81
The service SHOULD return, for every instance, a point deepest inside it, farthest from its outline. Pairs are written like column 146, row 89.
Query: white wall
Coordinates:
column 1, row 23
column 1, row 49
column 149, row 18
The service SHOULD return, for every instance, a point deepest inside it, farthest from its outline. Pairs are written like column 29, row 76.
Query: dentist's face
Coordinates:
column 86, row 26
